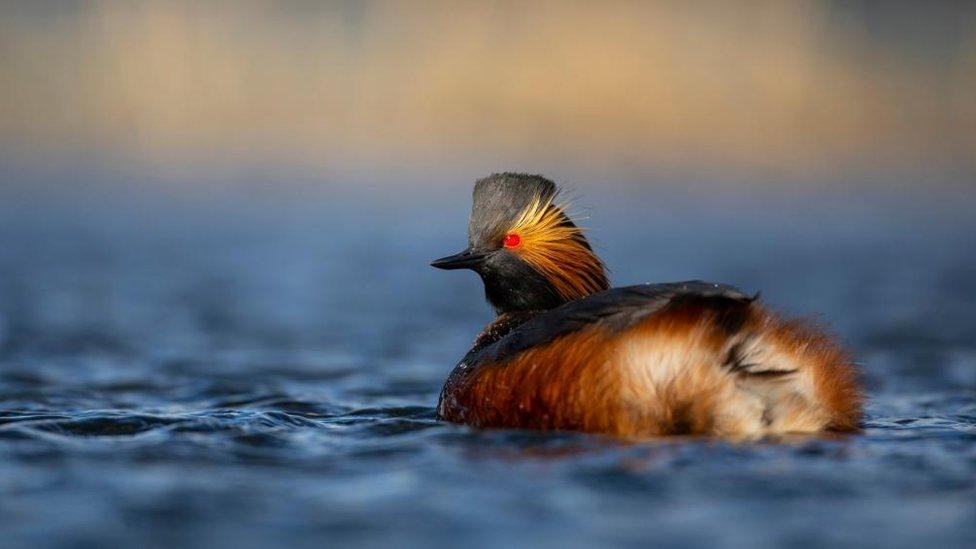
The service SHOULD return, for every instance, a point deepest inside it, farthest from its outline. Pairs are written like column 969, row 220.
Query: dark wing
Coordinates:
column 616, row 309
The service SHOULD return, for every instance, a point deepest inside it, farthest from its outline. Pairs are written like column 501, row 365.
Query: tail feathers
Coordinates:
column 739, row 370
column 805, row 380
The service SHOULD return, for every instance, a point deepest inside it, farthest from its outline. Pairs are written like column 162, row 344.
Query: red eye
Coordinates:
column 512, row 240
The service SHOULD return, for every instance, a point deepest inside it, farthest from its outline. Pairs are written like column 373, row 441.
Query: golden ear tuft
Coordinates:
column 554, row 246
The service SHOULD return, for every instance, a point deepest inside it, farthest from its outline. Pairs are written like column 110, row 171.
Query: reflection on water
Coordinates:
column 229, row 378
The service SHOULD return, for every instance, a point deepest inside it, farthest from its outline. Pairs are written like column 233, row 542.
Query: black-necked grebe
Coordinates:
column 565, row 352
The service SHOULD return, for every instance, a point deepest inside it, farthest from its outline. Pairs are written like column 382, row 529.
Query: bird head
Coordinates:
column 529, row 253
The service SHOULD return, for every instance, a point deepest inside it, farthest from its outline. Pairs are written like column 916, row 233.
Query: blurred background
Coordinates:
column 217, row 323
column 779, row 94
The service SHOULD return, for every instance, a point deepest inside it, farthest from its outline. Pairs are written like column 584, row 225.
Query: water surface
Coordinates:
column 267, row 377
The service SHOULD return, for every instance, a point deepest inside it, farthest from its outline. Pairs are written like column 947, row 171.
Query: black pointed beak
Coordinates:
column 468, row 259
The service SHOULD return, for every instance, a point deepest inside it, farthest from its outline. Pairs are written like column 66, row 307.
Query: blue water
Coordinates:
column 254, row 375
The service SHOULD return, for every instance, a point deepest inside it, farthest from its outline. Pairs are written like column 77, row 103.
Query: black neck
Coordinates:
column 513, row 286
